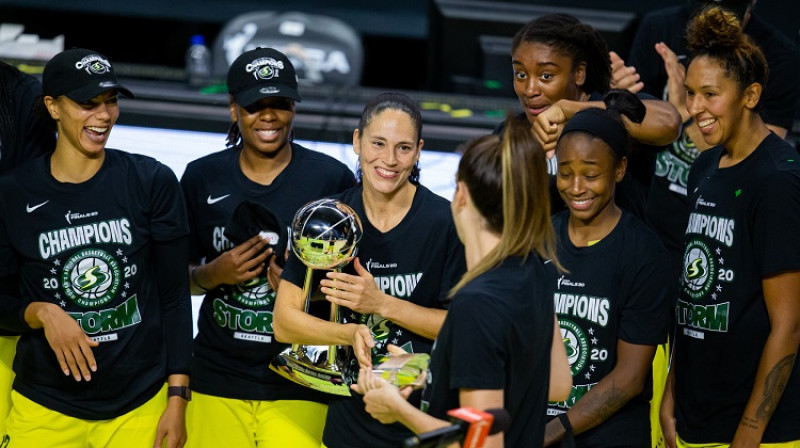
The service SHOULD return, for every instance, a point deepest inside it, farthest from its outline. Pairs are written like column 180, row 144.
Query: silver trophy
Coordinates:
column 325, row 236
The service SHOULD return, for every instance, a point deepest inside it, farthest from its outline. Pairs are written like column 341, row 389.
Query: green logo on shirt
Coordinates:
column 699, row 268
column 111, row 319
column 91, row 278
column 254, row 293
column 576, row 343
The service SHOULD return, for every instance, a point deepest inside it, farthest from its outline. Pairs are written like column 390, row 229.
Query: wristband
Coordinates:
column 565, row 422
column 194, row 279
column 568, row 441
column 180, row 391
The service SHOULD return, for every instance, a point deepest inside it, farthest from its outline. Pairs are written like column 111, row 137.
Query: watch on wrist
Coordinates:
column 180, row 391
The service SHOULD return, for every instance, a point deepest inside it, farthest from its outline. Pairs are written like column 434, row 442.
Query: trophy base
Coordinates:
column 297, row 368
column 407, row 369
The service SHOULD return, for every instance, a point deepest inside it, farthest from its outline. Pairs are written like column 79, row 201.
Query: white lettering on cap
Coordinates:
column 264, row 68
column 93, row 64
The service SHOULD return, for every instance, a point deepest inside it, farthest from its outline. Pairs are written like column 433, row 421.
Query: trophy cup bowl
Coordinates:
column 325, row 236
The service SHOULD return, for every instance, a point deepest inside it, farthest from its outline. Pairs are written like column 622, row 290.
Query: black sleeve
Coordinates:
column 347, row 180
column 170, row 259
column 189, row 190
column 12, row 304
column 12, row 307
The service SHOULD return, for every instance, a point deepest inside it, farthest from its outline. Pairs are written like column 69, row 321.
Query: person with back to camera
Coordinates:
column 409, row 240
column 500, row 346
column 658, row 58
column 733, row 380
column 93, row 245
column 238, row 400
column 24, row 135
column 562, row 66
column 613, row 301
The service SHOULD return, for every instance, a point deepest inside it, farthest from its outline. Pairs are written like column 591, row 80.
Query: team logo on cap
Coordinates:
column 94, row 64
column 269, row 90
column 264, row 68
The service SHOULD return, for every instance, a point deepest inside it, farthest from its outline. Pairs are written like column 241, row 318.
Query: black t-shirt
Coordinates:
column 30, row 134
column 743, row 226
column 87, row 248
column 234, row 343
column 419, row 260
column 616, row 289
column 497, row 335
column 667, row 202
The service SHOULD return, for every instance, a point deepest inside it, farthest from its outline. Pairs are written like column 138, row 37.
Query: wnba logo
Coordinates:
column 92, row 278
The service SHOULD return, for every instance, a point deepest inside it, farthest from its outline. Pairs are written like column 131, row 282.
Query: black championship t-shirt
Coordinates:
column 497, row 335
column 235, row 344
column 667, row 203
column 616, row 289
column 87, row 248
column 419, row 260
column 743, row 225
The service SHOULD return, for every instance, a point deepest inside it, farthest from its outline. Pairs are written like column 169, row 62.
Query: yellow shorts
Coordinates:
column 682, row 444
column 660, row 370
column 8, row 348
column 214, row 422
column 31, row 425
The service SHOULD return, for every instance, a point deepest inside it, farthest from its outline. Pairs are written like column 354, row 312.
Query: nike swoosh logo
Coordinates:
column 211, row 200
column 30, row 209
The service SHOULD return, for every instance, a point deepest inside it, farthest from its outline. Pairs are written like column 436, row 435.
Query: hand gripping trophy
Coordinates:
column 325, row 236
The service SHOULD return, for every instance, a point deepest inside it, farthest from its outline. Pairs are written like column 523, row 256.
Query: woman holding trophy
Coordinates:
column 394, row 292
column 500, row 346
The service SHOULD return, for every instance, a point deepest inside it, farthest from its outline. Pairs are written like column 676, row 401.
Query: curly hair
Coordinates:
column 716, row 33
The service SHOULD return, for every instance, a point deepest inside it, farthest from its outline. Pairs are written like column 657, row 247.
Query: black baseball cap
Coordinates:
column 262, row 73
column 81, row 75
column 737, row 7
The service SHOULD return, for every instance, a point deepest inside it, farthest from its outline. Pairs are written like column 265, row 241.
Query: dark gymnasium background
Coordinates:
column 451, row 55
